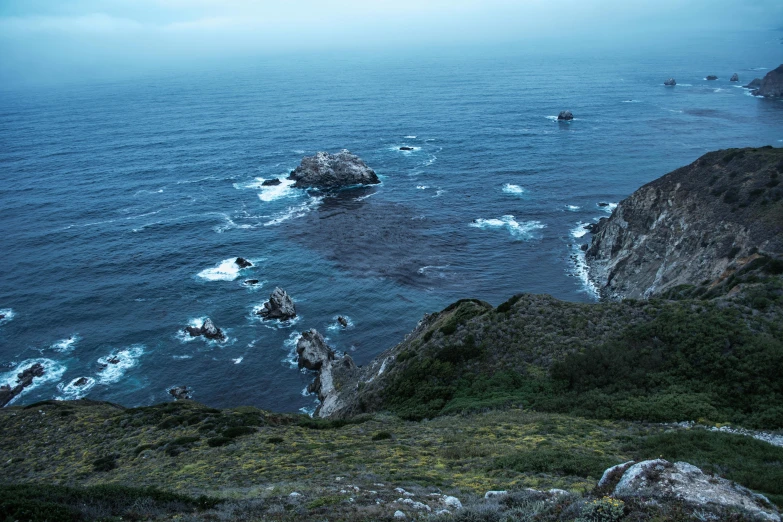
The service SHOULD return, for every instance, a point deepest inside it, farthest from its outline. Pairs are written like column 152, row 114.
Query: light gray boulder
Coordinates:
column 280, row 306
column 329, row 171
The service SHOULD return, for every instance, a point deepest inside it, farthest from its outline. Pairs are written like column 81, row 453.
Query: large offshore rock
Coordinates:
column 327, row 171
column 280, row 306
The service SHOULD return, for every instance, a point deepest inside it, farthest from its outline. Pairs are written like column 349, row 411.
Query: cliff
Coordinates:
column 697, row 224
column 772, row 84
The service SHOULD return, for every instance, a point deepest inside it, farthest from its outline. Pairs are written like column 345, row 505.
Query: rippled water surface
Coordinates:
column 124, row 203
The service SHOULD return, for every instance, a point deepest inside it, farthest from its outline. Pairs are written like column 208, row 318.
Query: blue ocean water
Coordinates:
column 123, row 202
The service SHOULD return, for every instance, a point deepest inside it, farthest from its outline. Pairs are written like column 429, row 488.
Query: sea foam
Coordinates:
column 227, row 270
column 53, row 371
column 508, row 188
column 7, row 314
column 126, row 359
column 72, row 392
column 524, row 230
column 66, row 345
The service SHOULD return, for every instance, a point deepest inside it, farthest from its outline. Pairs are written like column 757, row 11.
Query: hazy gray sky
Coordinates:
column 45, row 36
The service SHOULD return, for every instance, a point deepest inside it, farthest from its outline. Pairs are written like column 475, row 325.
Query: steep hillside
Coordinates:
column 698, row 223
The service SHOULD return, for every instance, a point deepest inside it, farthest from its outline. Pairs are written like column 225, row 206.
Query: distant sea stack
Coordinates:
column 694, row 225
column 671, row 82
column 734, row 77
column 565, row 116
column 330, row 171
column 772, row 84
column 712, row 77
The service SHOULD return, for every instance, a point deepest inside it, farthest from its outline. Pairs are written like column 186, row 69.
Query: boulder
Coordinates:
column 603, row 204
column 343, row 321
column 659, row 479
column 180, row 392
column 23, row 380
column 734, row 77
column 2, row 316
column 280, row 306
column 312, row 350
column 271, row 182
column 671, row 82
column 712, row 77
column 193, row 331
column 755, row 84
column 243, row 263
column 565, row 116
column 329, row 171
column 81, row 381
column 251, row 282
column 406, row 148
column 772, row 84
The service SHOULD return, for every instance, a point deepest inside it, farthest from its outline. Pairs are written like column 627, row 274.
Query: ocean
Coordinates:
column 124, row 202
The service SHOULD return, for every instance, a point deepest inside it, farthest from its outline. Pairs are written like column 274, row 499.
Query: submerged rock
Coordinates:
column 406, row 148
column 772, row 84
column 81, row 381
column 251, row 282
column 343, row 321
column 734, row 77
column 271, row 182
column 671, row 82
column 328, row 171
column 23, row 380
column 660, row 479
column 565, row 116
column 712, row 77
column 243, row 263
column 280, row 306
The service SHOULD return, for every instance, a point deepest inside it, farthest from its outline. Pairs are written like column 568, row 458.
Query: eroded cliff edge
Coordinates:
column 697, row 224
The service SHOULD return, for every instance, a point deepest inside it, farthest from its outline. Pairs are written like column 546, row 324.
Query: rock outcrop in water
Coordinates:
column 772, row 84
column 330, row 171
column 734, row 77
column 671, row 82
column 180, row 393
column 23, row 380
column 271, row 182
column 695, row 225
column 280, row 306
column 333, row 372
column 243, row 263
column 565, row 116
column 208, row 330
column 712, row 77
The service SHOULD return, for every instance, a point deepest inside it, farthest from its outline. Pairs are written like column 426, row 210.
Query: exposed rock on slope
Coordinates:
column 333, row 372
column 772, row 84
column 694, row 225
column 328, row 171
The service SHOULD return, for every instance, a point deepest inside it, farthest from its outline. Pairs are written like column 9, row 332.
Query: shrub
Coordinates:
column 382, row 435
column 606, row 509
column 274, row 440
column 106, row 463
column 215, row 442
column 558, row 461
column 238, row 431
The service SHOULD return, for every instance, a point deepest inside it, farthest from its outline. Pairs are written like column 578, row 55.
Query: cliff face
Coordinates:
column 772, row 84
column 697, row 224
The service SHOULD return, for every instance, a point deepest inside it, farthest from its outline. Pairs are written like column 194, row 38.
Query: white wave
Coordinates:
column 181, row 357
column 159, row 191
column 409, row 137
column 579, row 230
column 608, row 208
column 422, row 187
column 429, row 161
column 525, row 230
column 8, row 315
column 291, row 358
column 572, row 208
column 66, row 345
column 309, row 411
column 227, row 270
column 362, row 198
column 295, row 211
column 237, row 360
column 72, row 391
column 685, row 85
column 335, row 325
column 508, row 188
column 53, row 371
column 189, row 181
column 117, row 363
column 630, row 101
column 719, row 90
column 551, row 118
column 229, row 224
column 438, row 193
column 298, row 151
column 580, row 270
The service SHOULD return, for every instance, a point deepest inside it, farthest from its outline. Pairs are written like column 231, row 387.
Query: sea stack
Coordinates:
column 565, row 116
column 734, row 77
column 330, row 171
column 280, row 306
column 671, row 82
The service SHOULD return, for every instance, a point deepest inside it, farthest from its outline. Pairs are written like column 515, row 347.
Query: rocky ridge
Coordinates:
column 772, row 84
column 697, row 224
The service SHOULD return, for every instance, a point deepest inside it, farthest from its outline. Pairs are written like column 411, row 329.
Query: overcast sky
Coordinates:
column 55, row 36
